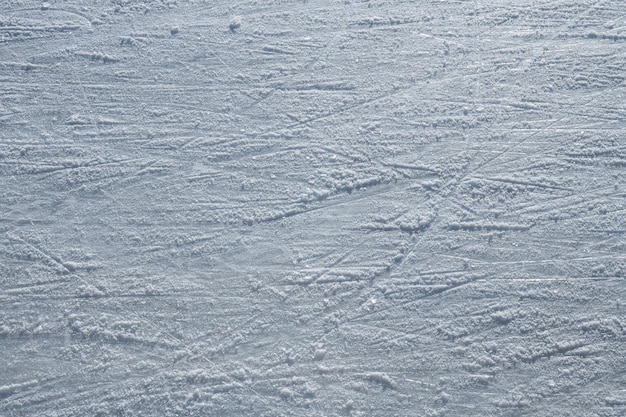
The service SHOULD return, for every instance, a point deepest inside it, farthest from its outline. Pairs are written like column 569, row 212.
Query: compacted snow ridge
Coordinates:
column 313, row 208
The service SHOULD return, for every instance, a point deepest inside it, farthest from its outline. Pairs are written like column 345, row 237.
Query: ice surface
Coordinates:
column 325, row 208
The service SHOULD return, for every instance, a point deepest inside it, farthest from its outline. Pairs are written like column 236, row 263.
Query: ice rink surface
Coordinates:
column 313, row 208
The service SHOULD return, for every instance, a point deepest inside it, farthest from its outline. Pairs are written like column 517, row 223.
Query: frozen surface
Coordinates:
column 325, row 208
